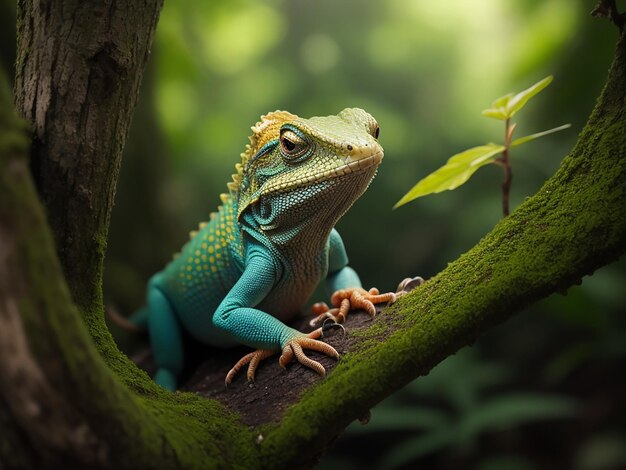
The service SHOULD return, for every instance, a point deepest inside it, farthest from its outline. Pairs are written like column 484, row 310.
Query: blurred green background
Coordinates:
column 546, row 389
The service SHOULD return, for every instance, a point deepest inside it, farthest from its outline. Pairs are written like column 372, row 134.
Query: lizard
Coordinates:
column 252, row 267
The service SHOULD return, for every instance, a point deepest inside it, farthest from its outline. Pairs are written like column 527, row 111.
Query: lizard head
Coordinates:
column 298, row 173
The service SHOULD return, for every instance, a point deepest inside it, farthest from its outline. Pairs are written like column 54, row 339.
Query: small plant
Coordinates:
column 461, row 166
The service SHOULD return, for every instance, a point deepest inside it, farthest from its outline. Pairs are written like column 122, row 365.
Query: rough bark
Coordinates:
column 79, row 67
column 52, row 372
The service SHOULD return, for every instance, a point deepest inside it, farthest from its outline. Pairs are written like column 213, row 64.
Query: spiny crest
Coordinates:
column 262, row 132
column 265, row 130
column 193, row 233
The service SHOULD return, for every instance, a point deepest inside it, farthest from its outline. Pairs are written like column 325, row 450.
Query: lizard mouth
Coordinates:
column 350, row 166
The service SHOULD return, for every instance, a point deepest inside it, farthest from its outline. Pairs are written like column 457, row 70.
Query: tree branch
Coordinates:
column 78, row 71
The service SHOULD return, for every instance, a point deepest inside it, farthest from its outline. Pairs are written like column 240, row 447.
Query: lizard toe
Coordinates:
column 345, row 300
column 253, row 360
column 295, row 349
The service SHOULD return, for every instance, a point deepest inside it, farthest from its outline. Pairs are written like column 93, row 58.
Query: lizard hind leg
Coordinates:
column 165, row 338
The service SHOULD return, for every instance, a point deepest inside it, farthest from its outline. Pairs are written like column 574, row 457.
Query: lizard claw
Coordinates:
column 330, row 323
column 408, row 284
column 345, row 300
column 294, row 348
column 253, row 359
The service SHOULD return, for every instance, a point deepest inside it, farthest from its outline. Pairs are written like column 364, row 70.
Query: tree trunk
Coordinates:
column 78, row 73
column 79, row 67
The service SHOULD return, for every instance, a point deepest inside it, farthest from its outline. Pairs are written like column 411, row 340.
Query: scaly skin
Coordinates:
column 254, row 265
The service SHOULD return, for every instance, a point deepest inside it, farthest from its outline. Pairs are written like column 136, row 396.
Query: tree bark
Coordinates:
column 79, row 67
column 59, row 402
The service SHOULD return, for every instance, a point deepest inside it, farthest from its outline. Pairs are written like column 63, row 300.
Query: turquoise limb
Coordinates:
column 337, row 256
column 344, row 288
column 340, row 275
column 237, row 316
column 166, row 339
column 166, row 379
column 345, row 278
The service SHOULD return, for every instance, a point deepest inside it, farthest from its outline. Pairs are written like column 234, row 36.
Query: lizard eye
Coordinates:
column 293, row 145
column 373, row 129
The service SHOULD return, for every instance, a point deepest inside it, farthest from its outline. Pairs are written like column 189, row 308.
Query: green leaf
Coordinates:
column 519, row 101
column 528, row 138
column 503, row 100
column 498, row 107
column 506, row 106
column 494, row 113
column 454, row 173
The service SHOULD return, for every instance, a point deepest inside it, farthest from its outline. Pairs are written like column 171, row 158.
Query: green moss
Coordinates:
column 369, row 337
column 201, row 432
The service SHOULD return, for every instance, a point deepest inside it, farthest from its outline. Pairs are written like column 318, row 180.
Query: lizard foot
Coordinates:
column 345, row 300
column 293, row 348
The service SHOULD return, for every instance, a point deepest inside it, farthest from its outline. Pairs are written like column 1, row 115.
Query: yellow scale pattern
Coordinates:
column 204, row 267
column 203, row 271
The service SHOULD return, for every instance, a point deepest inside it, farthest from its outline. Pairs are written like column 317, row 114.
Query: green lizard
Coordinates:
column 254, row 265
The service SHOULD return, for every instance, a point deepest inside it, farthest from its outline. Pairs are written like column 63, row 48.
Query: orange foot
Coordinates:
column 345, row 300
column 293, row 348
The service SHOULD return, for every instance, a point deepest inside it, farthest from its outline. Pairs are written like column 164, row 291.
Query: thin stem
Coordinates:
column 506, row 166
column 506, row 184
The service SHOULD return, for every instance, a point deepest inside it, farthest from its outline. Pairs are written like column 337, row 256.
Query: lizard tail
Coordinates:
column 137, row 322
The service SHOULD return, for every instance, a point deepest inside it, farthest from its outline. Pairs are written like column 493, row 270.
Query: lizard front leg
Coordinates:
column 345, row 299
column 345, row 286
column 237, row 317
